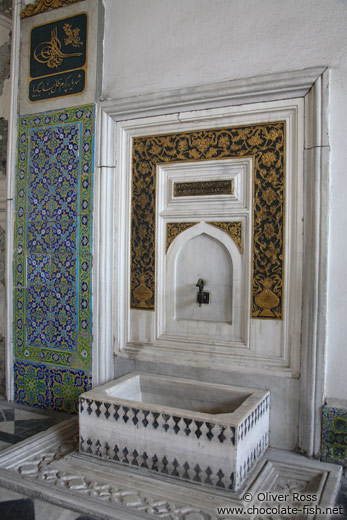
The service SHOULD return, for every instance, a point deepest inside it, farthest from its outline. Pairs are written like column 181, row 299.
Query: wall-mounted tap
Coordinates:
column 202, row 297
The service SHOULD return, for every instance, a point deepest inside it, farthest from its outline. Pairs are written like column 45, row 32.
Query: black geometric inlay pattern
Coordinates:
column 166, row 418
column 176, row 427
column 179, row 425
column 197, row 473
column 186, row 468
column 221, row 436
column 125, row 416
column 220, row 475
column 89, row 407
column 90, row 444
column 209, row 473
column 135, row 419
column 98, row 411
column 107, row 450
column 253, row 457
column 187, row 430
column 116, row 451
column 98, row 446
column 253, row 418
column 116, row 414
column 125, row 453
column 175, row 465
column 194, row 473
column 145, row 421
column 135, row 456
column 165, row 463
column 198, row 432
column 232, row 438
column 144, row 459
column 209, row 434
column 155, row 423
column 107, row 413
column 155, row 461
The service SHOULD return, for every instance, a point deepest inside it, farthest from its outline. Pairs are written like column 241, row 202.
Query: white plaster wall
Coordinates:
column 165, row 44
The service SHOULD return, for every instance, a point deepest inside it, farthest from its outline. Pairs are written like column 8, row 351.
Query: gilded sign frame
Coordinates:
column 52, row 50
column 203, row 188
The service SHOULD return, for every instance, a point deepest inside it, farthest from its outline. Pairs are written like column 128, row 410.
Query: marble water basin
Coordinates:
column 207, row 433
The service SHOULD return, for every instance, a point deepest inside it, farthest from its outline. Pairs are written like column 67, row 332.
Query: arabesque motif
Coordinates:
column 233, row 229
column 41, row 6
column 52, row 261
column 173, row 229
column 265, row 143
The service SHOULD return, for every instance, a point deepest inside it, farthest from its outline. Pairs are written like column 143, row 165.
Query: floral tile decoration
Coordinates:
column 52, row 260
column 334, row 435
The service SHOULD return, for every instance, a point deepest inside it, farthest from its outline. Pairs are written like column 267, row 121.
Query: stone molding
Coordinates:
column 179, row 425
column 3, row 202
column 47, row 467
column 5, row 22
column 269, row 87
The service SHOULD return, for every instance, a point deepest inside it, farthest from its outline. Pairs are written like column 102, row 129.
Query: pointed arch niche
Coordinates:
column 206, row 252
column 197, row 260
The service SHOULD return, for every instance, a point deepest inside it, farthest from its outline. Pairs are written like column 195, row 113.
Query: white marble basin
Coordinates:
column 207, row 433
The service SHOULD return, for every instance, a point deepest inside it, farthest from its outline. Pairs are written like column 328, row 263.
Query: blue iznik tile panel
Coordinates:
column 334, row 435
column 52, row 260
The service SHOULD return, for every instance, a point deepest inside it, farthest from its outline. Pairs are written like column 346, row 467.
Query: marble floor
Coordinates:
column 18, row 423
column 342, row 497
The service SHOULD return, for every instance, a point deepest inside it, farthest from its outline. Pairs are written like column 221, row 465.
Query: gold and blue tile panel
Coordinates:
column 52, row 260
column 334, row 435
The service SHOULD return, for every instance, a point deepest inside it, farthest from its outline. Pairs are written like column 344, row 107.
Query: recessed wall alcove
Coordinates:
column 204, row 257
column 203, row 252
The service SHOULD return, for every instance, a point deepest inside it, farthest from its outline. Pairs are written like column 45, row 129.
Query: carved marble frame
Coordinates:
column 312, row 85
column 138, row 335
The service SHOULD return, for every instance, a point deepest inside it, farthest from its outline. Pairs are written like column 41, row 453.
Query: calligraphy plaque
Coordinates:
column 58, row 58
column 203, row 188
